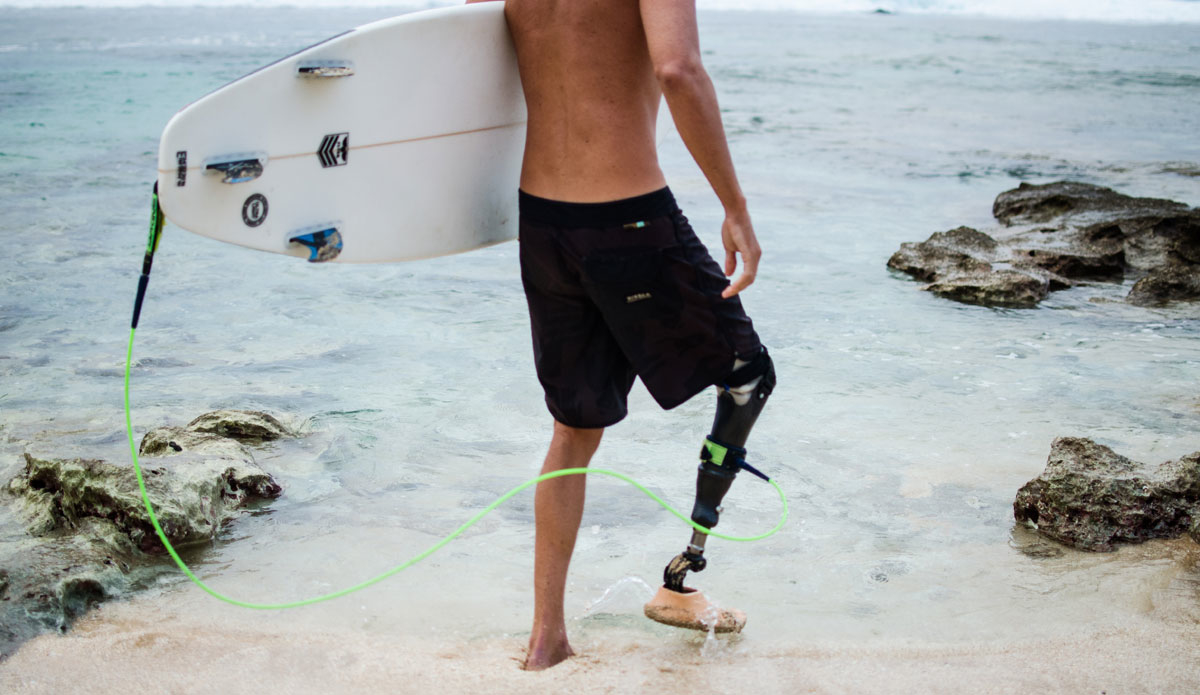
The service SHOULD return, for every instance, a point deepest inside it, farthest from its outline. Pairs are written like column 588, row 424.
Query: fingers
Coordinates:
column 738, row 238
column 749, row 271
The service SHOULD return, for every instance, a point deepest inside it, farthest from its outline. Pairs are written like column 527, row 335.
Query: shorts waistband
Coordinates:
column 614, row 212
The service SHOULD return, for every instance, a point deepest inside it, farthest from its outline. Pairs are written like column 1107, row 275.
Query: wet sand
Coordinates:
column 123, row 647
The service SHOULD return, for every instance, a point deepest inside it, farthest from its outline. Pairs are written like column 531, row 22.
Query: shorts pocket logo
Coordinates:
column 637, row 297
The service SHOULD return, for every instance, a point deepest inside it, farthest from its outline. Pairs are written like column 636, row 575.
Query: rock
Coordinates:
column 166, row 441
column 968, row 241
column 1171, row 283
column 1059, row 235
column 249, row 426
column 1028, row 203
column 1151, row 242
column 52, row 580
column 1003, row 288
column 1092, row 498
column 958, row 265
column 89, row 535
column 192, row 496
column 930, row 262
column 960, row 250
column 1066, row 264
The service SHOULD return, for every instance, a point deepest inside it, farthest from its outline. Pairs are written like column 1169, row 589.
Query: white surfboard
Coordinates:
column 398, row 140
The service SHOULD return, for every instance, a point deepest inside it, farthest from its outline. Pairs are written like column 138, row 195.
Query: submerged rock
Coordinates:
column 250, row 426
column 1058, row 235
column 167, row 441
column 1006, row 288
column 1091, row 498
column 89, row 535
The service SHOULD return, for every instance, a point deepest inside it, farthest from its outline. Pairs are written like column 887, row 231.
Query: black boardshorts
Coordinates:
column 619, row 290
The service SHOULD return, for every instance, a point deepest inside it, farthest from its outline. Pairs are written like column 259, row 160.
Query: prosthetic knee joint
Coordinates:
column 739, row 402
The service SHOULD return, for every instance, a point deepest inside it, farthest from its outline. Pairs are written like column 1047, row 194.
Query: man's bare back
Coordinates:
column 592, row 97
column 594, row 72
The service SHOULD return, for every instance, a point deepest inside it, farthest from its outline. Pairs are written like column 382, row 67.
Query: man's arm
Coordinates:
column 674, row 44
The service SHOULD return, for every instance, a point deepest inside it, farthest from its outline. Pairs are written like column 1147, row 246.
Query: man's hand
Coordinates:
column 737, row 234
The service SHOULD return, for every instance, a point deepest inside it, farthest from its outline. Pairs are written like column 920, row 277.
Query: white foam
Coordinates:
column 1168, row 11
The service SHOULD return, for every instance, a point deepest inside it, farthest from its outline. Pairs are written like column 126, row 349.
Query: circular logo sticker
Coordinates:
column 254, row 210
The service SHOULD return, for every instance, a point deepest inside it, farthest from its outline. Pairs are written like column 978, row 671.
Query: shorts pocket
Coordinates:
column 631, row 285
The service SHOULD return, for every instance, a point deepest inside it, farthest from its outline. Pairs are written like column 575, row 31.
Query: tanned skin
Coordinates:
column 594, row 73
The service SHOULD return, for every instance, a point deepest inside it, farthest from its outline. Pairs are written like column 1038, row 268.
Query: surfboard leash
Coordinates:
column 156, row 227
column 155, row 236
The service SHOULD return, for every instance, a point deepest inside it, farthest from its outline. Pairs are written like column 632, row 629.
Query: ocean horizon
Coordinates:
column 1119, row 11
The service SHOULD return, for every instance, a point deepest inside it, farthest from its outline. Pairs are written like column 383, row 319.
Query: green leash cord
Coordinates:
column 156, row 225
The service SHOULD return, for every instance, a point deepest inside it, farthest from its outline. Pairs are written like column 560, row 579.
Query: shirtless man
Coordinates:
column 617, row 283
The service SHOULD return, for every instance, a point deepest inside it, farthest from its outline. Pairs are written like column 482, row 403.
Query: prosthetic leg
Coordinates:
column 722, row 457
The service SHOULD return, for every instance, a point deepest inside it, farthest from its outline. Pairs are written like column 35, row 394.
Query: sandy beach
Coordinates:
column 125, row 647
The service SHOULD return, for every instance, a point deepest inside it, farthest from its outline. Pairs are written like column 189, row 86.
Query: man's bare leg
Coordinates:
column 558, row 508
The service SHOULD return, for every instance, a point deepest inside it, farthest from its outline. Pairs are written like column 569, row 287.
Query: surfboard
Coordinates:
column 398, row 140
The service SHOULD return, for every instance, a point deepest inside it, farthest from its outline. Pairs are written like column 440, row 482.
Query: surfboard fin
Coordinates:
column 236, row 168
column 325, row 68
column 323, row 245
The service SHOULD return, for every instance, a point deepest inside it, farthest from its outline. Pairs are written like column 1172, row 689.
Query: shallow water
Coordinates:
column 902, row 427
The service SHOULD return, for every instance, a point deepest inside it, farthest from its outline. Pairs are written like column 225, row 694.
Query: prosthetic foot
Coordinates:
column 722, row 457
column 691, row 610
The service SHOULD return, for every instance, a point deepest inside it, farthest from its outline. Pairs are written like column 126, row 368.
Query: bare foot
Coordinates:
column 543, row 655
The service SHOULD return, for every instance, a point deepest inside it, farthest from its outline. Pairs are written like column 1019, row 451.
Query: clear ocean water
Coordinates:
column 903, row 424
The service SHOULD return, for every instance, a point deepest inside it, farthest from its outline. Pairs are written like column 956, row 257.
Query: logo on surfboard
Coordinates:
column 334, row 150
column 254, row 210
column 181, row 168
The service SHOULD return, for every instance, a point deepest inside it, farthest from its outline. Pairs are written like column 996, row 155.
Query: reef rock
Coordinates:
column 1058, row 235
column 1091, row 498
column 192, row 495
column 250, row 426
column 89, row 535
column 1030, row 204
column 1171, row 283
column 959, row 251
column 1007, row 288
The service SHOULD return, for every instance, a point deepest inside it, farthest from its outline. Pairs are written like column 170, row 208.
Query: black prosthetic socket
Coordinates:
column 733, row 422
column 721, row 459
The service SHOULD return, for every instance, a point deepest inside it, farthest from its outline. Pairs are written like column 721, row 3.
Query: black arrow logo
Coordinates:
column 334, row 150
